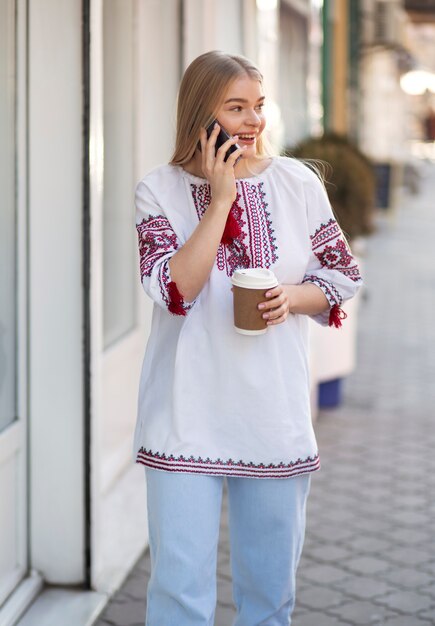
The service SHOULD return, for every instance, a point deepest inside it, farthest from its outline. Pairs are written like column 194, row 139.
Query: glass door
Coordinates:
column 13, row 488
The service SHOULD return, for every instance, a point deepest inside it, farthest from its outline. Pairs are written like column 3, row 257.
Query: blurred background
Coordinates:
column 87, row 106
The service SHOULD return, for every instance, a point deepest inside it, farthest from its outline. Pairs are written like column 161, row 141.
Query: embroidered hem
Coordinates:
column 219, row 467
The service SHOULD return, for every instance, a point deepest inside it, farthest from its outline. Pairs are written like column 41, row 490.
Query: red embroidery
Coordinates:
column 230, row 467
column 232, row 228
column 336, row 256
column 333, row 253
column 176, row 300
column 248, row 239
column 262, row 239
column 328, row 288
column 325, row 233
column 156, row 238
column 336, row 315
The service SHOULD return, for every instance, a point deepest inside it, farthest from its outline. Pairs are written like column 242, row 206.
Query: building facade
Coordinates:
column 87, row 106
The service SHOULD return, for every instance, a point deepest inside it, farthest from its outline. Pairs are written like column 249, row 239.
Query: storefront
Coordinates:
column 87, row 106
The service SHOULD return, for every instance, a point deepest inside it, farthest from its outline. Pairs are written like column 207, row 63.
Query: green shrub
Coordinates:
column 349, row 180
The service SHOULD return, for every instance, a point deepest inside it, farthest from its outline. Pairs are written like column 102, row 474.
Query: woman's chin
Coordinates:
column 250, row 152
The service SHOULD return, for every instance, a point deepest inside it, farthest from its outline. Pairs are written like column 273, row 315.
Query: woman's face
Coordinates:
column 242, row 113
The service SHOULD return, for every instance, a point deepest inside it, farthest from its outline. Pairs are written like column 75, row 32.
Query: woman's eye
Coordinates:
column 237, row 109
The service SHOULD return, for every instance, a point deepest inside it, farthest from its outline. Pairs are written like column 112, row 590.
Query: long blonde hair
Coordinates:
column 202, row 91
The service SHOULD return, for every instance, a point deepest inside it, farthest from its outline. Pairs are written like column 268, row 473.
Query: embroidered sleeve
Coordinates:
column 157, row 244
column 332, row 266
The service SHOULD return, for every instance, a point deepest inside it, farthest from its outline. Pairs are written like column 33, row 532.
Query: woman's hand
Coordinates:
column 277, row 307
column 218, row 172
column 305, row 299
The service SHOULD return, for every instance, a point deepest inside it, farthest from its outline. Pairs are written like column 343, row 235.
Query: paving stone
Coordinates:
column 410, row 518
column 428, row 615
column 125, row 614
column 224, row 563
column 372, row 524
column 407, row 601
column 365, row 587
column 368, row 544
column 225, row 592
column 316, row 597
column 224, row 615
column 298, row 612
column 361, row 612
column 333, row 533
column 322, row 574
column 409, row 536
column 315, row 618
column 407, row 620
column 367, row 565
column 136, row 587
column 428, row 567
column 337, row 513
column 409, row 555
column 428, row 590
column 328, row 552
column 408, row 577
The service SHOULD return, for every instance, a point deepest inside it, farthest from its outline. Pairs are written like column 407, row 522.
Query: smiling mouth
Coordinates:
column 245, row 138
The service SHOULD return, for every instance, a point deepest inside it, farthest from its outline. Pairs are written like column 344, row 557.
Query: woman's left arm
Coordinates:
column 332, row 275
column 282, row 300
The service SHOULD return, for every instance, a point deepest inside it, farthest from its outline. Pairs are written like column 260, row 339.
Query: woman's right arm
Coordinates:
column 191, row 265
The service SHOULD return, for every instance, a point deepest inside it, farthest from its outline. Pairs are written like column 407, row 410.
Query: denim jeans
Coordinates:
column 267, row 527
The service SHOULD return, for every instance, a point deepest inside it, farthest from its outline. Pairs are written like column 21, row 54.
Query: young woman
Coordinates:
column 214, row 403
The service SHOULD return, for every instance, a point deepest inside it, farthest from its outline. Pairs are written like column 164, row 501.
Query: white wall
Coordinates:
column 55, row 291
column 119, row 524
column 212, row 25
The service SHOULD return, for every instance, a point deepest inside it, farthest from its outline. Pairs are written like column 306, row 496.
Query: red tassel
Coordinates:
column 336, row 315
column 232, row 229
column 176, row 300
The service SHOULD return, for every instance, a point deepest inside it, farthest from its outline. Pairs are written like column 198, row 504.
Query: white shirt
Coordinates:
column 213, row 401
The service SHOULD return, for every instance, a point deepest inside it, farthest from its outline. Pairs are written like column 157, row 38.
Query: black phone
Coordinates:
column 222, row 137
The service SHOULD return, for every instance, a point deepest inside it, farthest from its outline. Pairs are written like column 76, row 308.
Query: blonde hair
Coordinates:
column 202, row 91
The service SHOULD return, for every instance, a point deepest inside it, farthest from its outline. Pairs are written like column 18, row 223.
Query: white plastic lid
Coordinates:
column 254, row 278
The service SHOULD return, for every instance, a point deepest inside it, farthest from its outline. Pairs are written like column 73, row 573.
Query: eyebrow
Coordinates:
column 242, row 100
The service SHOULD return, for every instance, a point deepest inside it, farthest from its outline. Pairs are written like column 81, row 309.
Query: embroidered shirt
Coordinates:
column 212, row 401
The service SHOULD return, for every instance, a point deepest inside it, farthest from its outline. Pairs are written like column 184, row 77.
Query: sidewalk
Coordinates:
column 369, row 556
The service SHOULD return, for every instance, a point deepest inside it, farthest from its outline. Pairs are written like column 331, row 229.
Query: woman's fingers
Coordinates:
column 203, row 141
column 235, row 155
column 273, row 302
column 210, row 152
column 211, row 157
column 275, row 291
column 275, row 313
column 278, row 320
column 275, row 310
column 220, row 154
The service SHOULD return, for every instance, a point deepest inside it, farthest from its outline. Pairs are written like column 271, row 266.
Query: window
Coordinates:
column 120, row 272
column 8, row 301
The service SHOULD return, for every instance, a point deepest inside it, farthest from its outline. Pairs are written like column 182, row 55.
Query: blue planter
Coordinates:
column 330, row 395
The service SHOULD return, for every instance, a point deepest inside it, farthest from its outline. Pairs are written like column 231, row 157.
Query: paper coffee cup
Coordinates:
column 249, row 287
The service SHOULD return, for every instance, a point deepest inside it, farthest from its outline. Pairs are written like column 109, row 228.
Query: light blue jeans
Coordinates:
column 267, row 527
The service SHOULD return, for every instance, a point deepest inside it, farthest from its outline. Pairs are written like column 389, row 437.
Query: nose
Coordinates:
column 253, row 119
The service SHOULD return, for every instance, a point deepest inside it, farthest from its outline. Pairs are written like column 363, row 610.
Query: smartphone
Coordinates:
column 221, row 139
